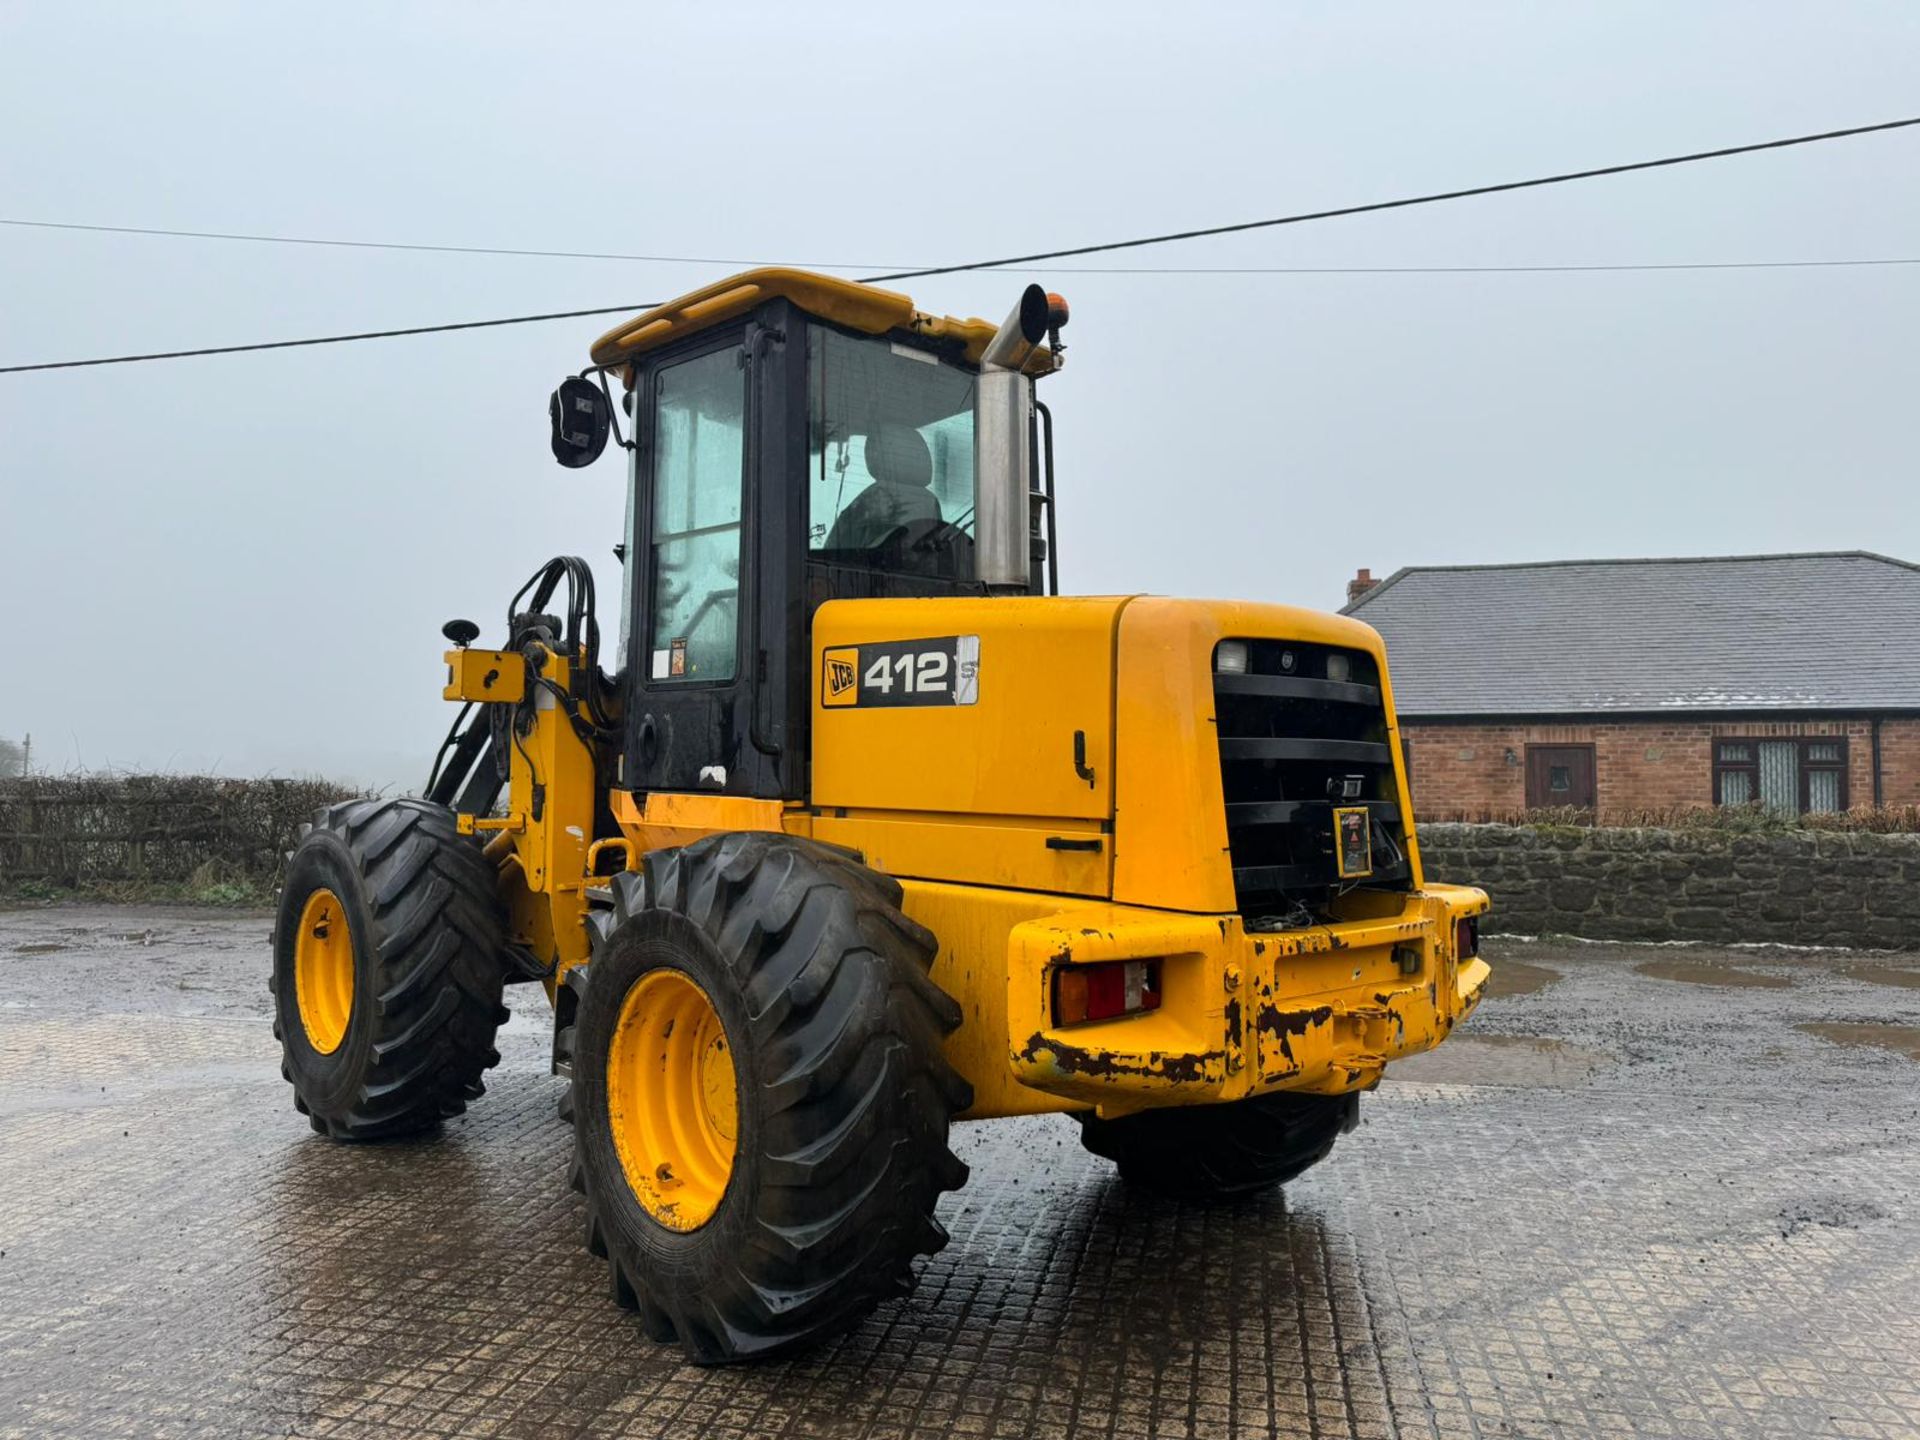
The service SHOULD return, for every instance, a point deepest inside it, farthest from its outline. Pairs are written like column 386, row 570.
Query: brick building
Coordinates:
column 1624, row 685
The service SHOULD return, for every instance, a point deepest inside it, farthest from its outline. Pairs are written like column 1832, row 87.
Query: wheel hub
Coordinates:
column 673, row 1099
column 323, row 971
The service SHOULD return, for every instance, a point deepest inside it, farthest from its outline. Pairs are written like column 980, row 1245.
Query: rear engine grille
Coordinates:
column 1295, row 745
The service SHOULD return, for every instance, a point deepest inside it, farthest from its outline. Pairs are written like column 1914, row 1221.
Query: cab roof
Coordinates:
column 843, row 302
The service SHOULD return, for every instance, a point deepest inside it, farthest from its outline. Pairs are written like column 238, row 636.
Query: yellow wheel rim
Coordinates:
column 323, row 971
column 672, row 1099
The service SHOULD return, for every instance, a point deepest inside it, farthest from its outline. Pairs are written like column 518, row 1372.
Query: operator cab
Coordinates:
column 800, row 439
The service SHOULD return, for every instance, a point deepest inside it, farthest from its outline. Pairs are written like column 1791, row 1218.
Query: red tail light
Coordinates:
column 1466, row 937
column 1104, row 991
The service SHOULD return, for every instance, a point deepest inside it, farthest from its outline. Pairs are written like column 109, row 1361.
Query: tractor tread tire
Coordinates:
column 1221, row 1152
column 845, row 1095
column 423, row 902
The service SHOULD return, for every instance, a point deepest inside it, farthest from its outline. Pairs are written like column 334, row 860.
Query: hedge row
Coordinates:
column 80, row 831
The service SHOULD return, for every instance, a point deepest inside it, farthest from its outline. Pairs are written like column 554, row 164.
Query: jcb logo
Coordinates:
column 840, row 676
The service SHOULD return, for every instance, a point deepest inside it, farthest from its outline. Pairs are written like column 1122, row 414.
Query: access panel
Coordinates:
column 966, row 707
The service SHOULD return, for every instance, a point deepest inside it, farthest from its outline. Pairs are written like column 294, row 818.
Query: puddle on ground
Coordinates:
column 1531, row 1060
column 1516, row 977
column 1884, row 975
column 1699, row 972
column 1901, row 1039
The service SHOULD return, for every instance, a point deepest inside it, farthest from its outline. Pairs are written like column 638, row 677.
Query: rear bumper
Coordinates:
column 1321, row 1010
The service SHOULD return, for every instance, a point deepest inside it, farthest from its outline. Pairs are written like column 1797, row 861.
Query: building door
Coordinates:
column 1560, row 775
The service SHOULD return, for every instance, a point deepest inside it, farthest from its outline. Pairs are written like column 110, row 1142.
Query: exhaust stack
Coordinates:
column 1020, row 333
column 1003, row 447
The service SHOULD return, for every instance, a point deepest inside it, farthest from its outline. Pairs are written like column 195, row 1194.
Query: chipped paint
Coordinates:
column 1156, row 1067
column 1283, row 1023
column 1322, row 1009
column 1275, row 1030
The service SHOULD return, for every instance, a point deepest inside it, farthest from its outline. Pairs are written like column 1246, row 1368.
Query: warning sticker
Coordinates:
column 1353, row 842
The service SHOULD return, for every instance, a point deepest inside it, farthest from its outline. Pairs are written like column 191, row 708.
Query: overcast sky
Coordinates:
column 242, row 563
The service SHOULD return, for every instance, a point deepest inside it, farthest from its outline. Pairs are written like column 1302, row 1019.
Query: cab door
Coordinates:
column 691, row 679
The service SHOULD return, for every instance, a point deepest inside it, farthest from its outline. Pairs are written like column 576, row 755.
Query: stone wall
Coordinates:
column 1797, row 887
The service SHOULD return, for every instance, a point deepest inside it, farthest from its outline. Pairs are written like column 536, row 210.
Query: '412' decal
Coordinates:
column 941, row 671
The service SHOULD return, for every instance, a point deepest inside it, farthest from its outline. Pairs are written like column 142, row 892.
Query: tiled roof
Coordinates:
column 1830, row 631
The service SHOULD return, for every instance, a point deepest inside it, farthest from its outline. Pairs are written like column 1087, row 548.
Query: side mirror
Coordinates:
column 580, row 418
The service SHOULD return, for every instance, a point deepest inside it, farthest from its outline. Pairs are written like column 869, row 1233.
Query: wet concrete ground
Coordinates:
column 1623, row 1202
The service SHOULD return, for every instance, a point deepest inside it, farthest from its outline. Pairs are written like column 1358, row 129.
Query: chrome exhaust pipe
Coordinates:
column 1003, row 447
column 1019, row 334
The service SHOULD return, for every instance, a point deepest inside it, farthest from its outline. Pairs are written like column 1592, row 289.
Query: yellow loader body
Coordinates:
column 1065, row 809
column 868, row 828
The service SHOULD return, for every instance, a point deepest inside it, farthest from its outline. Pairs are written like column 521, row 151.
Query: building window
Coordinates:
column 1797, row 776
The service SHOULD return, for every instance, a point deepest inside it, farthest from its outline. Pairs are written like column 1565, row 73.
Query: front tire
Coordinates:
column 760, row 1095
column 1222, row 1152
column 387, row 969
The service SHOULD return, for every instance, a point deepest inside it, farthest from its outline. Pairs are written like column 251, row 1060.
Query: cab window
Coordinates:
column 889, row 458
column 699, row 452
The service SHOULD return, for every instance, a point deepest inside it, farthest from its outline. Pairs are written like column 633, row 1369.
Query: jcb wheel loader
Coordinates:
column 869, row 830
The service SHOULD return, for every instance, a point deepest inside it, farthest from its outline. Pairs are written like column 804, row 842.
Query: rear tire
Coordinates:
column 833, row 1125
column 1220, row 1152
column 386, row 1025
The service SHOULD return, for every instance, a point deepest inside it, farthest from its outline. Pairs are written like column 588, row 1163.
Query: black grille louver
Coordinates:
column 1293, row 744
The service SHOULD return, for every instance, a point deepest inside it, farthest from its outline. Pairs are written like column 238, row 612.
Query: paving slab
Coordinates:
column 1638, row 1195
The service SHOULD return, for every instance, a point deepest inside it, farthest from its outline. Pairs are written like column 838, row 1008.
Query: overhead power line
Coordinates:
column 1009, row 261
column 1451, row 269
column 910, row 274
column 332, row 339
column 640, row 305
column 857, row 265
column 1431, row 199
column 407, row 245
